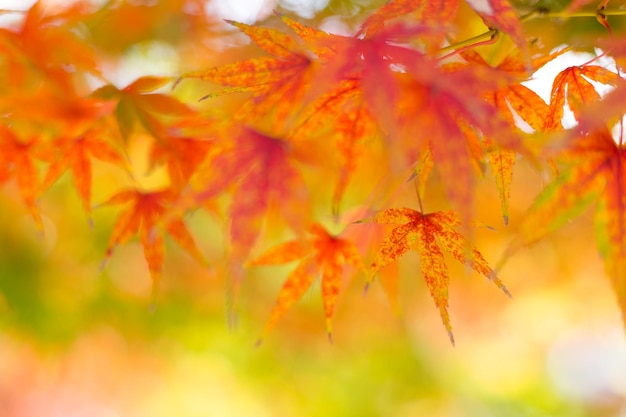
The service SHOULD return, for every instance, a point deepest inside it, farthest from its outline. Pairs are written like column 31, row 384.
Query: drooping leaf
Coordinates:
column 17, row 160
column 75, row 153
column 318, row 41
column 351, row 124
column 572, row 88
column 276, row 83
column 594, row 172
column 34, row 49
column 263, row 172
column 182, row 148
column 430, row 235
column 517, row 104
column 501, row 162
column 138, row 102
column 322, row 253
column 144, row 217
column 453, row 131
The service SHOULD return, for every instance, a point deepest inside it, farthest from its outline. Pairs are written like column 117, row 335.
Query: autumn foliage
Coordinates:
column 309, row 137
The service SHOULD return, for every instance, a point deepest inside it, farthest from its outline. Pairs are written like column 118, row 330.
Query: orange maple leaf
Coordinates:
column 572, row 87
column 75, row 153
column 51, row 44
column 138, row 101
column 427, row 234
column 263, row 173
column 595, row 172
column 277, row 83
column 425, row 11
column 453, row 127
column 182, row 148
column 322, row 252
column 352, row 125
column 396, row 85
column 17, row 159
column 144, row 216
column 512, row 101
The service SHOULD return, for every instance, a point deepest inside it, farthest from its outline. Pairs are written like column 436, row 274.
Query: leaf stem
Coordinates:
column 419, row 197
column 534, row 14
column 473, row 41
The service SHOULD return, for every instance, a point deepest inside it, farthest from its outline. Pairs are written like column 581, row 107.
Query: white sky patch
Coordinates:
column 305, row 8
column 66, row 3
column 148, row 58
column 336, row 25
column 14, row 20
column 244, row 11
column 481, row 6
column 519, row 122
column 589, row 364
column 618, row 132
column 569, row 118
column 16, row 4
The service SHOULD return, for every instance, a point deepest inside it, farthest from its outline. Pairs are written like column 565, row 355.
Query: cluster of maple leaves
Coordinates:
column 387, row 94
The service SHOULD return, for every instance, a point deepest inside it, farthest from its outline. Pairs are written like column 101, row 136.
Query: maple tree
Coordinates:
column 420, row 95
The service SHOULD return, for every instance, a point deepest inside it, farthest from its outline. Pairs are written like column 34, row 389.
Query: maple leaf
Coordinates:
column 182, row 147
column 55, row 112
column 276, row 83
column 352, row 125
column 513, row 101
column 322, row 252
column 453, row 125
column 75, row 153
column 138, row 101
column 263, row 172
column 397, row 85
column 144, row 216
column 441, row 12
column 17, row 160
column 318, row 41
column 430, row 235
column 572, row 87
column 595, row 171
column 36, row 45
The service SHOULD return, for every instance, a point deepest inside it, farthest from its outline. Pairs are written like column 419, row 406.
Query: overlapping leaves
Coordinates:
column 382, row 100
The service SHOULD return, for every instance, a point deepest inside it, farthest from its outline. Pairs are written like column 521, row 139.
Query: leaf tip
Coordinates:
column 104, row 262
column 451, row 337
column 507, row 292
column 205, row 97
column 178, row 81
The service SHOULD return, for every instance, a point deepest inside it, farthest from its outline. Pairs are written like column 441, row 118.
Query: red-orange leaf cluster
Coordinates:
column 316, row 125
